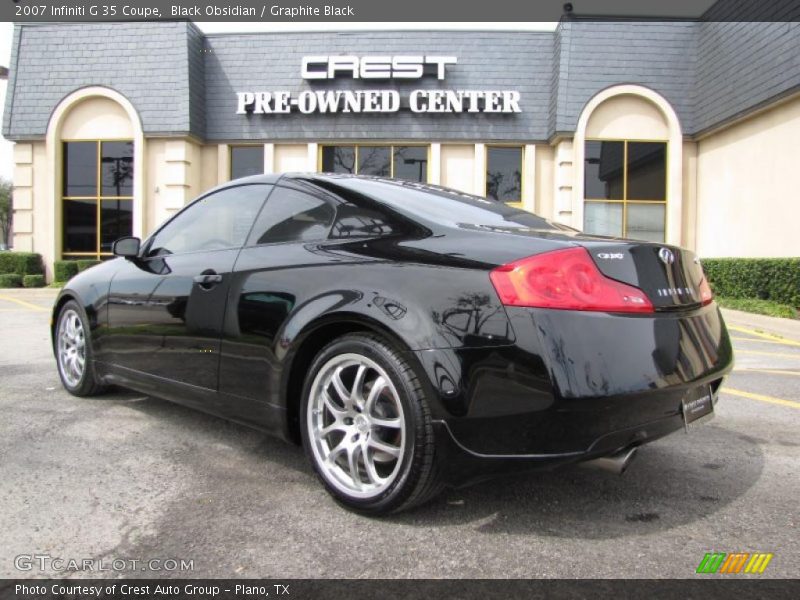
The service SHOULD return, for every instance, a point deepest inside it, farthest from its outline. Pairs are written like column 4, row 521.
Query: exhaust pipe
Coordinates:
column 615, row 463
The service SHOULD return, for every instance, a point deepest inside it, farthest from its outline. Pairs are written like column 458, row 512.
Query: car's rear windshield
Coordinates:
column 441, row 205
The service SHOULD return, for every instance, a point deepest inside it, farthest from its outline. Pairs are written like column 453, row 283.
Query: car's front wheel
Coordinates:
column 74, row 352
column 366, row 426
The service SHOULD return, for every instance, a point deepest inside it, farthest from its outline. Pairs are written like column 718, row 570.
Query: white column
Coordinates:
column 223, row 163
column 269, row 158
column 565, row 210
column 479, row 173
column 313, row 152
column 529, row 177
column 674, row 233
column 435, row 166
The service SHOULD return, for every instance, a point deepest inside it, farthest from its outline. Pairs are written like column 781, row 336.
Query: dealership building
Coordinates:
column 686, row 132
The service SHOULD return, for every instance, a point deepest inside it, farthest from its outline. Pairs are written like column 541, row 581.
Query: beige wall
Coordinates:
column 543, row 181
column 627, row 117
column 689, row 224
column 96, row 118
column 748, row 182
column 457, row 167
column 178, row 170
column 33, row 222
column 291, row 157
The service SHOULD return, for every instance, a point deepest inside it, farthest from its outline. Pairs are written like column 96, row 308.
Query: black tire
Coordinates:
column 88, row 383
column 415, row 481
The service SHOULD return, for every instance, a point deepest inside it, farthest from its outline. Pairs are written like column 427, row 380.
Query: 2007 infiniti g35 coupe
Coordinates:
column 410, row 336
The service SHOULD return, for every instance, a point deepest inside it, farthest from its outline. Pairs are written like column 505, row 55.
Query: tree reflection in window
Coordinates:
column 504, row 174
column 399, row 162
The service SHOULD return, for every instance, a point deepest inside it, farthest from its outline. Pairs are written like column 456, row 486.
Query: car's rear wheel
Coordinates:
column 366, row 426
column 74, row 352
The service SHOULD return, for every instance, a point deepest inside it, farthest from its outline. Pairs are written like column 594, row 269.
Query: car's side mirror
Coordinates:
column 127, row 246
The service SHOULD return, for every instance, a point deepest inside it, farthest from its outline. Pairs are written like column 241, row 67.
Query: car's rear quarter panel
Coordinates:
column 281, row 293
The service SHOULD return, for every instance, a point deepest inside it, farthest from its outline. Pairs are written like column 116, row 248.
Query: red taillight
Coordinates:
column 705, row 292
column 565, row 279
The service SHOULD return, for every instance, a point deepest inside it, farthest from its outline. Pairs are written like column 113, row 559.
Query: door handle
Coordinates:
column 208, row 279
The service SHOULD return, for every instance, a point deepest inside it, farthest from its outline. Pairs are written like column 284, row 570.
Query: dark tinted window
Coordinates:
column 80, row 168
column 356, row 221
column 647, row 171
column 117, row 168
column 375, row 160
column 80, row 225
column 411, row 163
column 504, row 174
column 291, row 215
column 218, row 221
column 603, row 170
column 116, row 221
column 339, row 159
column 246, row 161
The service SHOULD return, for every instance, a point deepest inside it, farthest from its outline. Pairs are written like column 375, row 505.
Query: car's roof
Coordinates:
column 270, row 178
column 418, row 201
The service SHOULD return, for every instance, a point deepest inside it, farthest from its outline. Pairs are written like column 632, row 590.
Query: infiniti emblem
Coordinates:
column 666, row 256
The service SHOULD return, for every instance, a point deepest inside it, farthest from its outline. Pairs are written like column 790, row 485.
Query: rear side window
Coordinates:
column 356, row 221
column 292, row 216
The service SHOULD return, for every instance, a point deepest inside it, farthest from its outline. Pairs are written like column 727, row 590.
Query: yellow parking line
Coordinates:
column 772, row 371
column 22, row 303
column 759, row 341
column 764, row 335
column 761, row 353
column 761, row 397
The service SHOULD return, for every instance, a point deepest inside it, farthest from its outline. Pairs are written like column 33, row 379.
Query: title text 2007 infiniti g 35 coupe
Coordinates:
column 410, row 336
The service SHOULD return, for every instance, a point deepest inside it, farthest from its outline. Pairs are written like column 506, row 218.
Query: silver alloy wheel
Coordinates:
column 71, row 348
column 356, row 425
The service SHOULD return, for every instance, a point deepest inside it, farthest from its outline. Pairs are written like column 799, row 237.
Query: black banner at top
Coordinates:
column 358, row 11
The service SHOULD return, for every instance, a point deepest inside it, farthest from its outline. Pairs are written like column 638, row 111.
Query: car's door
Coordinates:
column 166, row 308
column 273, row 273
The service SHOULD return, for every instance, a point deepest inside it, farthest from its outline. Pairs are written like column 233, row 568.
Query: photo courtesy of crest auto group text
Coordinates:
column 344, row 303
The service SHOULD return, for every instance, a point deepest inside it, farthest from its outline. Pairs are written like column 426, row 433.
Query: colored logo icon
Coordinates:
column 735, row 562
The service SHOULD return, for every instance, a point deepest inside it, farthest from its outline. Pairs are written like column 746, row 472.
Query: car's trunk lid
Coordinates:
column 670, row 276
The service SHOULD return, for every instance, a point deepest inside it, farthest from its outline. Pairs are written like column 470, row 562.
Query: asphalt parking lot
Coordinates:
column 125, row 476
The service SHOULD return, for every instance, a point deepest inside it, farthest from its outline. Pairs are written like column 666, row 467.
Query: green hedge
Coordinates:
column 33, row 281
column 86, row 263
column 10, row 280
column 21, row 263
column 775, row 279
column 64, row 270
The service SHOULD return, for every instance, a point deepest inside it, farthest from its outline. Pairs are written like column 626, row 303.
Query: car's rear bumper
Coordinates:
column 575, row 385
column 458, row 465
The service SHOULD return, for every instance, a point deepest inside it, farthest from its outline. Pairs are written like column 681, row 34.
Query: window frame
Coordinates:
column 372, row 144
column 230, row 159
column 98, row 197
column 515, row 203
column 624, row 201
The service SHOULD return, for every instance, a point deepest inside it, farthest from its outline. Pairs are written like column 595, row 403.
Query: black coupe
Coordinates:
column 410, row 336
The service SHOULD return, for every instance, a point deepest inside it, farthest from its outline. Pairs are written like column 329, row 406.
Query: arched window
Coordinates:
column 95, row 140
column 628, row 149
